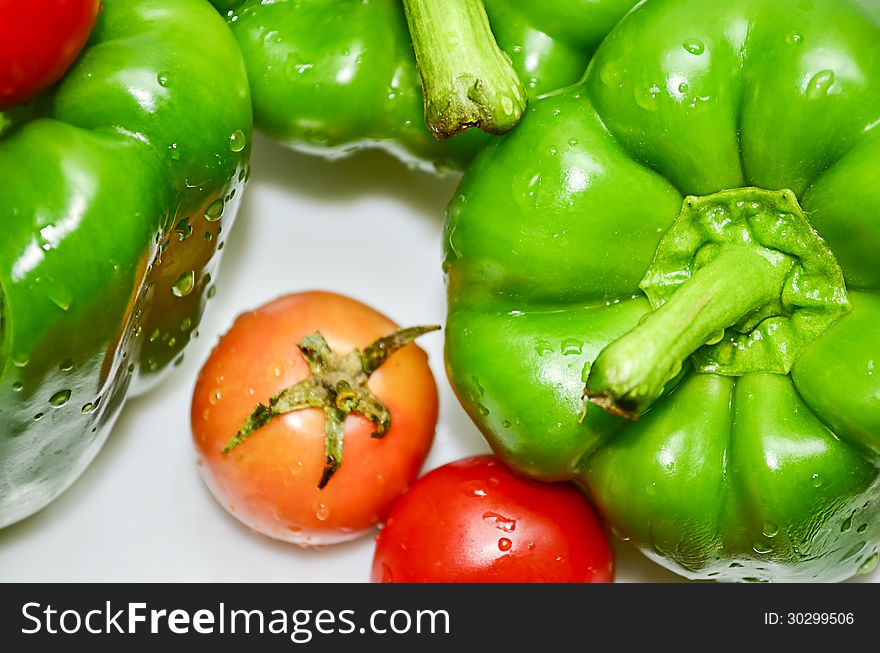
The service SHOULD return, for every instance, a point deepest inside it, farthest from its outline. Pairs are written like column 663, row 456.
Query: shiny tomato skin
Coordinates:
column 475, row 521
column 269, row 482
column 39, row 40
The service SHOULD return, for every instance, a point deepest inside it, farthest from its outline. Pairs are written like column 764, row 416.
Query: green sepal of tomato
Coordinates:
column 126, row 176
column 755, row 452
column 336, row 76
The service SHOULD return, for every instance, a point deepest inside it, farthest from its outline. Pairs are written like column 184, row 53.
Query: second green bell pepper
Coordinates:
column 119, row 181
column 336, row 76
column 664, row 284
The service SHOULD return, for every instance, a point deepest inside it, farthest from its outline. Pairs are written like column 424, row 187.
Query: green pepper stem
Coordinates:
column 467, row 80
column 631, row 373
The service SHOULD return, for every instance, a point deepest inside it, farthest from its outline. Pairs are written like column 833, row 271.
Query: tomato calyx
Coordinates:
column 338, row 386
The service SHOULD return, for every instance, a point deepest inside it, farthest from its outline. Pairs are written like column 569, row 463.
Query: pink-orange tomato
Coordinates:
column 270, row 481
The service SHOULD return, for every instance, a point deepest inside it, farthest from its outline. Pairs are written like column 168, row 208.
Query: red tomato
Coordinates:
column 270, row 481
column 476, row 521
column 39, row 39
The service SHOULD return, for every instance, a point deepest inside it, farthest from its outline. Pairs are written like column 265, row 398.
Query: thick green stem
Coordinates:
column 632, row 372
column 466, row 79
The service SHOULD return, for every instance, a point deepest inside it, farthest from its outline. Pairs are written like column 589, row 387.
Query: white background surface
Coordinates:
column 141, row 512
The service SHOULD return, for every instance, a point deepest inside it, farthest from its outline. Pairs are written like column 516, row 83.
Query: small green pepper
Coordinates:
column 336, row 76
column 119, row 180
column 664, row 284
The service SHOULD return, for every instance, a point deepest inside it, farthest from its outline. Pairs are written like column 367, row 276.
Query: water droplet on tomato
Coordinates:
column 323, row 512
column 504, row 544
column 500, row 521
column 474, row 489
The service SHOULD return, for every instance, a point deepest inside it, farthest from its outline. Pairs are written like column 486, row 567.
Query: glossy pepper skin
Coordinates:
column 335, row 76
column 759, row 461
column 118, row 182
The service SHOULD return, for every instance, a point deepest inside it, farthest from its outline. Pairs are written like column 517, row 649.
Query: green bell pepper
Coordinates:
column 336, row 76
column 664, row 285
column 119, row 180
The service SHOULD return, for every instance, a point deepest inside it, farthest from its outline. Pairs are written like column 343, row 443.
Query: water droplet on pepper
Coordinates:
column 820, row 85
column 184, row 284
column 237, row 141
column 60, row 398
column 870, row 563
column 694, row 46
